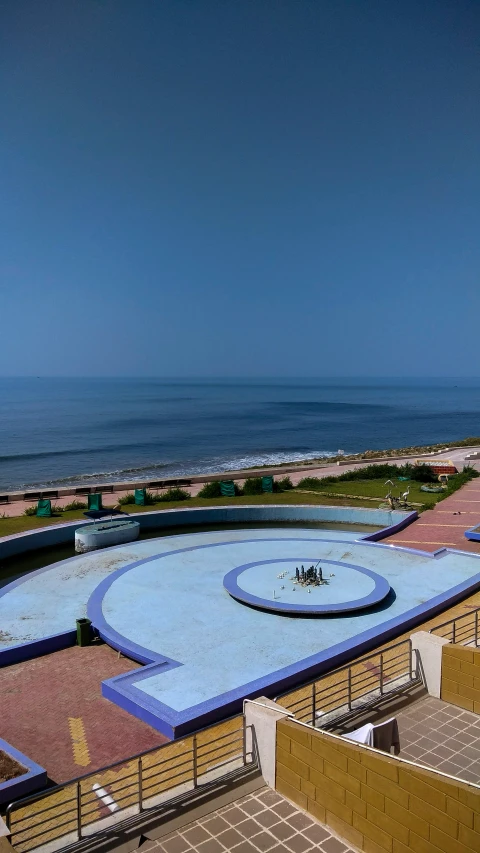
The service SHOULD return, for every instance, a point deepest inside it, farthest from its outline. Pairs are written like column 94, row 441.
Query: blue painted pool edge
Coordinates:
column 31, row 781
column 123, row 692
column 394, row 528
column 473, row 533
column 380, row 591
column 47, row 537
column 37, row 648
column 60, row 534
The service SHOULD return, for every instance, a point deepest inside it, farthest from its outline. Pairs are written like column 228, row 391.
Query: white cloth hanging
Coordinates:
column 383, row 736
column 362, row 735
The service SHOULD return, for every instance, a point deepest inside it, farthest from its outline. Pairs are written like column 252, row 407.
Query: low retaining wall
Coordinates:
column 60, row 534
column 460, row 683
column 473, row 533
column 81, row 489
column 34, row 778
column 376, row 802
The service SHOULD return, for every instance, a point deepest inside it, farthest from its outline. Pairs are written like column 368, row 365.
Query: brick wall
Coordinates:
column 461, row 677
column 376, row 802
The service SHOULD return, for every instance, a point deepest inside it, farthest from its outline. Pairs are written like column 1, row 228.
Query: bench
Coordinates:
column 168, row 484
column 83, row 490
column 3, row 499
column 107, row 490
column 40, row 496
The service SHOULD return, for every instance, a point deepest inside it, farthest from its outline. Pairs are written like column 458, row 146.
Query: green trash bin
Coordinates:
column 84, row 632
column 95, row 501
column 267, row 484
column 227, row 488
column 140, row 497
column 44, row 509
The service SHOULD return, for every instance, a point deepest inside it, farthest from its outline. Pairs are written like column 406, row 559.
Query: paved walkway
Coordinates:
column 53, row 711
column 442, row 736
column 445, row 525
column 263, row 822
column 17, row 508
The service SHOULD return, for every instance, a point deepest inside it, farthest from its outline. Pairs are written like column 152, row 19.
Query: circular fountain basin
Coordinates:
column 106, row 533
column 271, row 585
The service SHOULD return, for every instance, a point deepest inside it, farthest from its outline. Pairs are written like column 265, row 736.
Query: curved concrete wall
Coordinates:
column 90, row 538
column 61, row 534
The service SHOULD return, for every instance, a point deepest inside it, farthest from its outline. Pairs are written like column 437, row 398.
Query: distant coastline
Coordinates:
column 368, row 457
column 61, row 433
column 390, row 453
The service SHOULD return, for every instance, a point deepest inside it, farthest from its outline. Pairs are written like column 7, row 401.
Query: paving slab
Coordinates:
column 54, row 712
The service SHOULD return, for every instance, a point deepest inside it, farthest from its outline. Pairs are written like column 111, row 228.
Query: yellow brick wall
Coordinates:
column 461, row 677
column 376, row 802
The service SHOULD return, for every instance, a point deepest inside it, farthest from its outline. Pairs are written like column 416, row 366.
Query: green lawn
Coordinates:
column 8, row 526
column 350, row 493
column 378, row 489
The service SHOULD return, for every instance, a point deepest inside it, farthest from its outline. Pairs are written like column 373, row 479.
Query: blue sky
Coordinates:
column 235, row 188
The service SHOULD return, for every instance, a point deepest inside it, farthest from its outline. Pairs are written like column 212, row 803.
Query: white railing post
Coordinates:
column 261, row 717
column 428, row 648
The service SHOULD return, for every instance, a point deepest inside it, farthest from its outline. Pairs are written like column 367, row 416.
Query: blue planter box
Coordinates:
column 34, row 778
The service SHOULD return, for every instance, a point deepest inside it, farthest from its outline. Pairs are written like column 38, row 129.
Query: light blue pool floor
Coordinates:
column 173, row 604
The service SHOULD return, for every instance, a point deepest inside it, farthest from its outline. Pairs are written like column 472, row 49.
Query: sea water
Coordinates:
column 63, row 431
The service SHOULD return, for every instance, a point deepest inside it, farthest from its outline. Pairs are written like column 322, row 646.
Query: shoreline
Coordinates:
column 81, row 486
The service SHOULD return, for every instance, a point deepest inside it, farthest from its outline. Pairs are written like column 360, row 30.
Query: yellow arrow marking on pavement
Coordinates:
column 81, row 755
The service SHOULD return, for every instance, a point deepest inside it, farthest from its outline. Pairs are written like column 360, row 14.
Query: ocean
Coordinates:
column 56, row 432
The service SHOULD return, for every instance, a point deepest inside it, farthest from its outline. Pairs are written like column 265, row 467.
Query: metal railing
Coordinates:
column 463, row 630
column 357, row 685
column 90, row 804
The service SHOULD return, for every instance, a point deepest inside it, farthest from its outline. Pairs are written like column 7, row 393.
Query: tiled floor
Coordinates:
column 263, row 821
column 445, row 525
column 57, row 699
column 440, row 735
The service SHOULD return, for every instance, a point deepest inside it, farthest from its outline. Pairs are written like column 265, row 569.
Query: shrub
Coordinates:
column 253, row 486
column 125, row 500
column 174, row 495
column 422, row 474
column 129, row 499
column 32, row 510
column 313, row 482
column 210, row 490
column 75, row 505
column 458, row 480
column 373, row 472
column 283, row 485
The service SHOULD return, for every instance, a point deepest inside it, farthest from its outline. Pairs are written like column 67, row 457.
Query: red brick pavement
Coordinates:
column 39, row 697
column 445, row 525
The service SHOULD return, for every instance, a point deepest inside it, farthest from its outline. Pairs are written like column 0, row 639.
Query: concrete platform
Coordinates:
column 54, row 712
column 163, row 603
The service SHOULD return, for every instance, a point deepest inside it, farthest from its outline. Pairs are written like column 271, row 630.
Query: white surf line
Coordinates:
column 106, row 799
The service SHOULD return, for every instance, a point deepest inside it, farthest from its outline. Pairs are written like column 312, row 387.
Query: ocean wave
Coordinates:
column 177, row 469
column 79, row 451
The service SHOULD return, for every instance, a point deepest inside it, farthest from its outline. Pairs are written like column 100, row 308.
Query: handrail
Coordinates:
column 458, row 630
column 186, row 771
column 345, row 687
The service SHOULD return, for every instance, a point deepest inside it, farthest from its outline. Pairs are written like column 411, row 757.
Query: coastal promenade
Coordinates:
column 445, row 525
column 296, row 473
